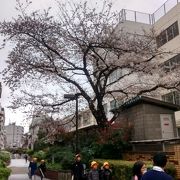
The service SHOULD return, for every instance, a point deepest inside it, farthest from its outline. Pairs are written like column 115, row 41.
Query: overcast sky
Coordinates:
column 7, row 12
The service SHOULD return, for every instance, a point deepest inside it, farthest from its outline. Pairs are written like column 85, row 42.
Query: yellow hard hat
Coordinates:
column 105, row 164
column 34, row 159
column 42, row 160
column 93, row 163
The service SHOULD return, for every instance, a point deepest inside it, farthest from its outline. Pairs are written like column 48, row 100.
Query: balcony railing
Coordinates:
column 129, row 15
column 146, row 18
column 166, row 7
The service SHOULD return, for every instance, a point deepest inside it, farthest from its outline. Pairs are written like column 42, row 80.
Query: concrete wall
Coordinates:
column 145, row 119
column 172, row 151
column 134, row 27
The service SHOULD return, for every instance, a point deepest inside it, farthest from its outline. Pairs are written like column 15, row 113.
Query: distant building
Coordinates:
column 2, row 121
column 34, row 128
column 0, row 89
column 14, row 135
column 2, row 132
column 85, row 120
column 24, row 141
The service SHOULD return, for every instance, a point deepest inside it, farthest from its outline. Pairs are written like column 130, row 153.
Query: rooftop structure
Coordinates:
column 130, row 15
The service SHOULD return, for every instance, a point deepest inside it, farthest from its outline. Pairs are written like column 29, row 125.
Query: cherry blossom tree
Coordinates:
column 77, row 51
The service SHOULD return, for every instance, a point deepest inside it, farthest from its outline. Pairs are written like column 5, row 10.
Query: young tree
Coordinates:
column 77, row 51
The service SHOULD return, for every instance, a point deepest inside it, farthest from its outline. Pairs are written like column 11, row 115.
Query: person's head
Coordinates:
column 139, row 168
column 34, row 159
column 160, row 159
column 78, row 157
column 94, row 165
column 106, row 165
column 42, row 161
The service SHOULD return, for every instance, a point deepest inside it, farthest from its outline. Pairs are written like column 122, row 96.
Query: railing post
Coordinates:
column 135, row 16
column 124, row 14
column 150, row 19
column 153, row 18
column 164, row 8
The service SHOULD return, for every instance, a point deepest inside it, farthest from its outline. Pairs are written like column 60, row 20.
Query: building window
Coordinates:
column 115, row 104
column 172, row 63
column 172, row 97
column 178, row 129
column 168, row 34
column 115, row 75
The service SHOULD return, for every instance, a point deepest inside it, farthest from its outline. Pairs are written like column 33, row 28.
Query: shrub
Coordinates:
column 170, row 169
column 40, row 155
column 30, row 152
column 2, row 164
column 62, row 155
column 5, row 156
column 54, row 166
column 4, row 173
column 123, row 169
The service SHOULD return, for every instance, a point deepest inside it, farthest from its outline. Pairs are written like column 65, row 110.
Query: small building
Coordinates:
column 150, row 119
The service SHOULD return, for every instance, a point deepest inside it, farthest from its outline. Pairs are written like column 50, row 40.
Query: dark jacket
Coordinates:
column 156, row 175
column 43, row 169
column 78, row 170
column 106, row 174
column 94, row 175
column 33, row 167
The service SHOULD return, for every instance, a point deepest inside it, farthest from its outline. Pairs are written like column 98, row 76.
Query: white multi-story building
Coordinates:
column 165, row 22
column 14, row 135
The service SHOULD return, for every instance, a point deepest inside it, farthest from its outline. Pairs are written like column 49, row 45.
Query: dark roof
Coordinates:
column 156, row 140
column 147, row 100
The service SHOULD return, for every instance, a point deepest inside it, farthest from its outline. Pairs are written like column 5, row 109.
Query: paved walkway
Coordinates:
column 19, row 170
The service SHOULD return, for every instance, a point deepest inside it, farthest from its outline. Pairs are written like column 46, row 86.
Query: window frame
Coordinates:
column 168, row 34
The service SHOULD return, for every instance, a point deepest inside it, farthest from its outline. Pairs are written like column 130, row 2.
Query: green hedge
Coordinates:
column 4, row 173
column 2, row 164
column 54, row 166
column 123, row 169
column 5, row 156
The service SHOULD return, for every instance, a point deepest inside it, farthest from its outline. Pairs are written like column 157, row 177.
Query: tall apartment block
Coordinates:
column 14, row 135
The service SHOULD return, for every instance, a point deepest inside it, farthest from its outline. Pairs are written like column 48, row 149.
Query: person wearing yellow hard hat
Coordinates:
column 32, row 168
column 106, row 173
column 42, row 169
column 94, row 173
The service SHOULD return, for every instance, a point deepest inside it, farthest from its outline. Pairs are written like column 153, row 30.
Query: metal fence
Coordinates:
column 135, row 16
column 146, row 18
column 167, row 6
